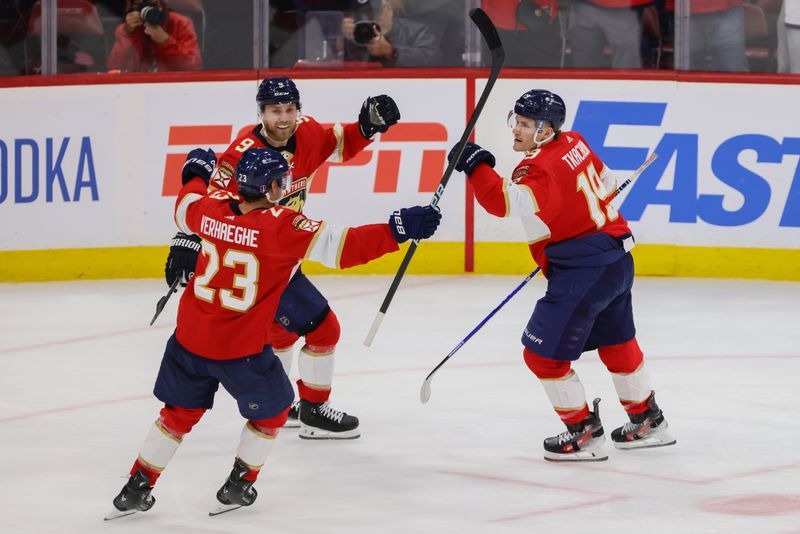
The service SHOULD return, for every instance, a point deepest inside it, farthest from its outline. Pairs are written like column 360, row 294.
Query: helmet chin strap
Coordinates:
column 283, row 185
column 540, row 126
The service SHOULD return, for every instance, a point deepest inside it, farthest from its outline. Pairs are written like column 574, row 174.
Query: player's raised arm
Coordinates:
column 342, row 143
column 342, row 247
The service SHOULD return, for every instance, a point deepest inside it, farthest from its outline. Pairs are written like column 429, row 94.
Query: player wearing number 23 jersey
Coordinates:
column 250, row 248
column 562, row 193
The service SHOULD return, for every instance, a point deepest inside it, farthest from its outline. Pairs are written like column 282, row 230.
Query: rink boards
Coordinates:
column 89, row 173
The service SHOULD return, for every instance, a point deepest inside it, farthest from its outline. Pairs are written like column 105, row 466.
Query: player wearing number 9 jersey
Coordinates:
column 562, row 192
column 303, row 311
column 251, row 247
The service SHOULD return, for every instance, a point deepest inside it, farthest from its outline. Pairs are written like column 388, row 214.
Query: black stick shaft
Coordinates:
column 489, row 33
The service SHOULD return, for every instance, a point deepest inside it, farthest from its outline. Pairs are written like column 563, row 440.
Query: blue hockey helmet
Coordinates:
column 542, row 105
column 258, row 168
column 280, row 90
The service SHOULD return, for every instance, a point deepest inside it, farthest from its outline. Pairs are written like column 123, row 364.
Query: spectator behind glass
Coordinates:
column 716, row 35
column 393, row 41
column 168, row 44
column 789, row 37
column 593, row 23
column 445, row 19
column 529, row 30
column 14, row 16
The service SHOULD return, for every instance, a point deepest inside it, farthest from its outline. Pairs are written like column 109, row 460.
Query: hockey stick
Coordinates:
column 163, row 300
column 425, row 391
column 489, row 33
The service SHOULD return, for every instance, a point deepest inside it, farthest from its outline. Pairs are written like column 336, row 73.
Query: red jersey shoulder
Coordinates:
column 308, row 130
column 226, row 167
column 286, row 217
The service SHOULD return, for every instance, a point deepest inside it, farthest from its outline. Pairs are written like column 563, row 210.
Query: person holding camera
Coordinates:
column 154, row 38
column 374, row 33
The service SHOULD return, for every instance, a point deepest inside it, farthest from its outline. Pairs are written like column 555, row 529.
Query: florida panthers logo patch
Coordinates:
column 519, row 173
column 224, row 174
column 300, row 222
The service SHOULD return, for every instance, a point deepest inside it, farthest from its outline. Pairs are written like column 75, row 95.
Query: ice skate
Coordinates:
column 320, row 421
column 581, row 442
column 647, row 429
column 293, row 419
column 236, row 492
column 134, row 497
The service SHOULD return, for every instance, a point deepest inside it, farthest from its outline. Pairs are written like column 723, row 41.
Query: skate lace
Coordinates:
column 566, row 437
column 331, row 413
column 629, row 428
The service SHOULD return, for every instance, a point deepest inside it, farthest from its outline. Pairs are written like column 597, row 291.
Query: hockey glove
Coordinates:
column 200, row 163
column 182, row 258
column 414, row 223
column 377, row 115
column 472, row 155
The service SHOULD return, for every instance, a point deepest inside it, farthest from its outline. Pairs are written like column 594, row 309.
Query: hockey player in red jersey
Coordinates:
column 303, row 311
column 251, row 247
column 562, row 192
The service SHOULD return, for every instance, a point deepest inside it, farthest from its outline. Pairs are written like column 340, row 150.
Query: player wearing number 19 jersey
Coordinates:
column 562, row 192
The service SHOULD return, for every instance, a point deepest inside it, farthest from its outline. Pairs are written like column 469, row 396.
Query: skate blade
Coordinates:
column 116, row 514
column 662, row 438
column 222, row 508
column 310, row 432
column 582, row 456
column 647, row 443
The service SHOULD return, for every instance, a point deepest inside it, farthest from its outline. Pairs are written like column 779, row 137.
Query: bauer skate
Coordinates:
column 321, row 421
column 236, row 492
column 581, row 442
column 134, row 497
column 647, row 429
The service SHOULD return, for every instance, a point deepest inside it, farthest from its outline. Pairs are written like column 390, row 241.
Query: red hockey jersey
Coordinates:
column 309, row 147
column 559, row 191
column 247, row 261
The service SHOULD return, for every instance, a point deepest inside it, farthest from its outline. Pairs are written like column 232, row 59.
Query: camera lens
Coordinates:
column 152, row 15
column 364, row 31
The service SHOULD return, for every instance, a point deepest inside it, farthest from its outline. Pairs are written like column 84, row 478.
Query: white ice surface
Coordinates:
column 78, row 361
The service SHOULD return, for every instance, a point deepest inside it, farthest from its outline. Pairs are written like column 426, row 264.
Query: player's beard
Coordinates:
column 278, row 136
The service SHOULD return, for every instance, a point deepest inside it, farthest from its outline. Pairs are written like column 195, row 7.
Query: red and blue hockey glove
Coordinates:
column 183, row 252
column 470, row 157
column 419, row 222
column 377, row 114
column 200, row 163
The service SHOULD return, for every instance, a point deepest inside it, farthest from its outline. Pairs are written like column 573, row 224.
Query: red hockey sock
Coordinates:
column 151, row 474
column 311, row 394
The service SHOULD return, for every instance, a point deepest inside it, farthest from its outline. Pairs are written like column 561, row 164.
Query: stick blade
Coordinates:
column 487, row 29
column 159, row 308
column 376, row 323
column 425, row 391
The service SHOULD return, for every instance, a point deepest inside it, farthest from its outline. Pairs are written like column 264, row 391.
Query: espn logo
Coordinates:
column 416, row 136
